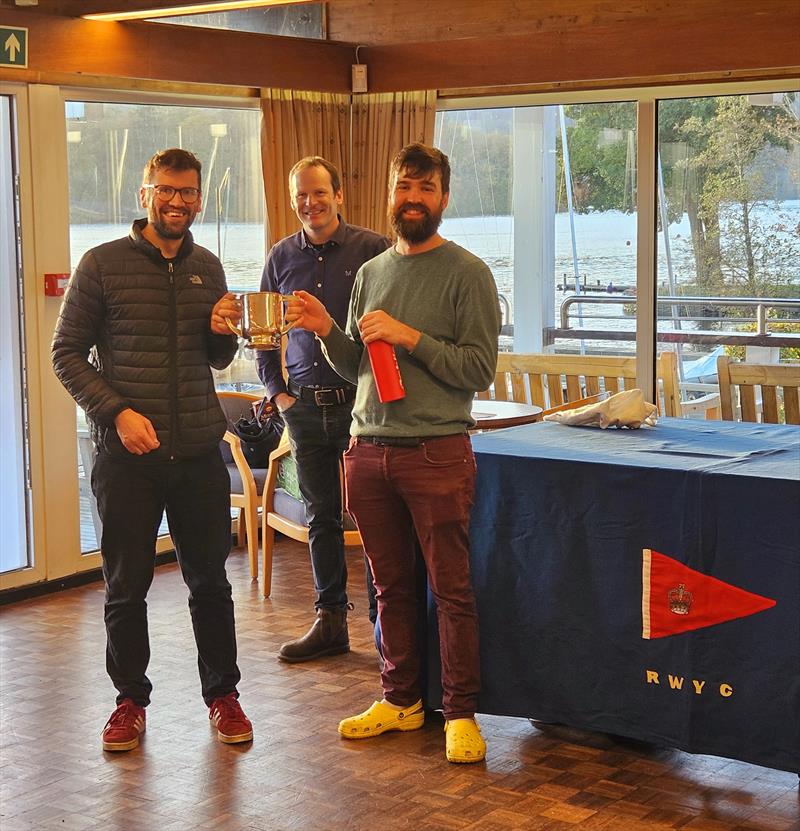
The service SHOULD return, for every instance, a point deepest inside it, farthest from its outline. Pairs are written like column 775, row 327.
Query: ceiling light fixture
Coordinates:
column 194, row 8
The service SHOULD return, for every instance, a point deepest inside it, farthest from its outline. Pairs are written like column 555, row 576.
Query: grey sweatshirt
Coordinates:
column 450, row 296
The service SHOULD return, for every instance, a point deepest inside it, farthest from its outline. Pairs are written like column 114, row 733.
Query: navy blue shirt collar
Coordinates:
column 336, row 238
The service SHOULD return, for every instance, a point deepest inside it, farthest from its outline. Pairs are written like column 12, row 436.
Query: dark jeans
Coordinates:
column 393, row 493
column 422, row 612
column 131, row 498
column 319, row 436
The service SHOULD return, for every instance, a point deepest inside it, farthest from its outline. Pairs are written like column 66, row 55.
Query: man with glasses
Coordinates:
column 322, row 259
column 143, row 319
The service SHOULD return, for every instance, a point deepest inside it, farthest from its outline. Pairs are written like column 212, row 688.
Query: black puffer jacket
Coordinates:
column 146, row 321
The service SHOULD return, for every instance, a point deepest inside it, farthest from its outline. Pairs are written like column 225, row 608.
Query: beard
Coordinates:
column 172, row 228
column 168, row 233
column 415, row 231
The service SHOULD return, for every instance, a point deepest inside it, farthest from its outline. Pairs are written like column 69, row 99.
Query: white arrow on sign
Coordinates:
column 12, row 46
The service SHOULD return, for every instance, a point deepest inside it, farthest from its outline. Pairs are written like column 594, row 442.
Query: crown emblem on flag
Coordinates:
column 712, row 602
column 680, row 601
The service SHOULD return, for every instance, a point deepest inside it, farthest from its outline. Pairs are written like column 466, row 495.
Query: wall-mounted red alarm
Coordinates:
column 55, row 284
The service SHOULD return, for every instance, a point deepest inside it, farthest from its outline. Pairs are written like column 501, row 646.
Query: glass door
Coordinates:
column 108, row 144
column 14, row 467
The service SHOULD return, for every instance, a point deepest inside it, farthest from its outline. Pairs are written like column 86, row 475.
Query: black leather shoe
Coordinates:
column 327, row 636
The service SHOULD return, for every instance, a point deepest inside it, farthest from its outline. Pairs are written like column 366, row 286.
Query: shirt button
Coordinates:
column 316, row 363
column 319, row 285
column 319, row 258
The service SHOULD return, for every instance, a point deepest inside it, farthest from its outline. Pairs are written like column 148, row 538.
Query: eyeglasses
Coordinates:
column 166, row 192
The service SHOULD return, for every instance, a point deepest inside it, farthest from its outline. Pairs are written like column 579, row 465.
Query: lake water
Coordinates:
column 605, row 243
column 606, row 246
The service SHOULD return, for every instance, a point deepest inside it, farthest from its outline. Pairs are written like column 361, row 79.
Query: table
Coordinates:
column 586, row 545
column 493, row 415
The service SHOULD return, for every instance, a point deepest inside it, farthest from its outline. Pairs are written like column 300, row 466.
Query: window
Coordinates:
column 302, row 21
column 729, row 230
column 546, row 196
column 14, row 553
column 108, row 146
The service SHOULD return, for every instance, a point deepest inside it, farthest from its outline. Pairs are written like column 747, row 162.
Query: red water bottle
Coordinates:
column 385, row 371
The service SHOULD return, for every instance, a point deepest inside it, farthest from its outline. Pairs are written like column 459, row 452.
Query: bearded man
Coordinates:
column 409, row 468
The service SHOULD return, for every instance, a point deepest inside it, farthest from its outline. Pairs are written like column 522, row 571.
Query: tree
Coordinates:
column 715, row 153
column 749, row 255
column 479, row 146
column 685, row 180
column 601, row 157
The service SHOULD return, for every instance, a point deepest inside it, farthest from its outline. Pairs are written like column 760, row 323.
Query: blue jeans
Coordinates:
column 131, row 498
column 319, row 436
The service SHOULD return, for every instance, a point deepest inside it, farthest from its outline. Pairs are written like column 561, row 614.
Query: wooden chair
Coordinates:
column 576, row 404
column 553, row 380
column 778, row 384
column 282, row 509
column 247, row 483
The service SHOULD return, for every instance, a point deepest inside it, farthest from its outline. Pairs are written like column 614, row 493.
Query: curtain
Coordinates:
column 359, row 134
column 383, row 123
column 295, row 124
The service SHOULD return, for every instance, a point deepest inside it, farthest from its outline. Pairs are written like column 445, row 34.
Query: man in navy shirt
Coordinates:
column 316, row 403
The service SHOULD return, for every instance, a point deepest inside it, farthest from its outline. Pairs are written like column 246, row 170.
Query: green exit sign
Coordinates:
column 13, row 47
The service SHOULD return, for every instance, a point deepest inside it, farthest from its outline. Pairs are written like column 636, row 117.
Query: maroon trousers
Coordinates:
column 393, row 493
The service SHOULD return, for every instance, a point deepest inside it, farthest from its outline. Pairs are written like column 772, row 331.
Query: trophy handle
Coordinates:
column 286, row 326
column 233, row 328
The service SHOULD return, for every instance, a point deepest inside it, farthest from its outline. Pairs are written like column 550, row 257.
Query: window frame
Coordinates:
column 646, row 99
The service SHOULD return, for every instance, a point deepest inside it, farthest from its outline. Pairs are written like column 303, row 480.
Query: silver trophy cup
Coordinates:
column 263, row 319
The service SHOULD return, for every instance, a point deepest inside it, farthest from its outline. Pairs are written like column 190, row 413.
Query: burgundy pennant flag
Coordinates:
column 676, row 598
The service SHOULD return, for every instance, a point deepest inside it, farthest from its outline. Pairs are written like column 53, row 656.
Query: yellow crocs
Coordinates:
column 464, row 743
column 380, row 718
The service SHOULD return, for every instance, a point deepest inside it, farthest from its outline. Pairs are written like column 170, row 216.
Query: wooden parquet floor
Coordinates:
column 298, row 775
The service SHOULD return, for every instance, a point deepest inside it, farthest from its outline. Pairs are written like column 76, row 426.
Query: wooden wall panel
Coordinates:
column 745, row 43
column 182, row 54
column 386, row 22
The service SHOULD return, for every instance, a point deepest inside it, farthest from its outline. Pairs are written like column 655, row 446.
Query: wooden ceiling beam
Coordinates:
column 182, row 54
column 752, row 40
column 395, row 22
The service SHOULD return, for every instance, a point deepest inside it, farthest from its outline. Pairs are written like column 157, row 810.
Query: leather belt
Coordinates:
column 322, row 397
column 395, row 441
column 403, row 441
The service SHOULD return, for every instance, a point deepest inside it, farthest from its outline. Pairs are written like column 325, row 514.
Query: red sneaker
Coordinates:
column 232, row 724
column 123, row 729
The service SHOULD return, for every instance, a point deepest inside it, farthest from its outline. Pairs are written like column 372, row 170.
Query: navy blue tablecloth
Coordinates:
column 561, row 523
